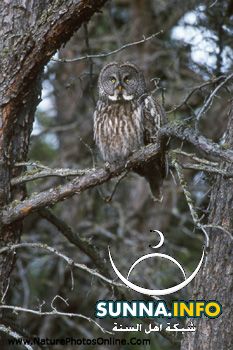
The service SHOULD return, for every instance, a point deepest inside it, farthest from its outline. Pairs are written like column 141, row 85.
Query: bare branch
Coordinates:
column 54, row 312
column 12, row 333
column 189, row 200
column 48, row 172
column 36, row 164
column 69, row 261
column 209, row 101
column 208, row 169
column 108, row 199
column 199, row 87
column 218, row 227
column 200, row 142
column 102, row 55
column 73, row 237
column 194, row 157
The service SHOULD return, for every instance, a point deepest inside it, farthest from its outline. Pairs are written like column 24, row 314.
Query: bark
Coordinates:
column 30, row 34
column 215, row 281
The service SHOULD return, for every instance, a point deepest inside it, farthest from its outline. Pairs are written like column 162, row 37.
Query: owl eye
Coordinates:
column 126, row 79
column 112, row 79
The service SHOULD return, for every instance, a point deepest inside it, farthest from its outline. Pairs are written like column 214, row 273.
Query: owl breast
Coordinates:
column 118, row 129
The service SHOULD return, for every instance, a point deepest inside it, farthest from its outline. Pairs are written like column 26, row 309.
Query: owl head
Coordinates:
column 121, row 82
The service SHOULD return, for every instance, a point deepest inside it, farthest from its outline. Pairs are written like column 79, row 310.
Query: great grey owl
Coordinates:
column 126, row 118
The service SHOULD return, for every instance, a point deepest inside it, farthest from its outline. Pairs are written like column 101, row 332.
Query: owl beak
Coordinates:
column 119, row 88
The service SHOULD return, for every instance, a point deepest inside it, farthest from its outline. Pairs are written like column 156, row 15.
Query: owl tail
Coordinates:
column 154, row 172
column 155, row 187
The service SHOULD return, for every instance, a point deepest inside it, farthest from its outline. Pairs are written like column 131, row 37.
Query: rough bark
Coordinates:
column 30, row 34
column 215, row 281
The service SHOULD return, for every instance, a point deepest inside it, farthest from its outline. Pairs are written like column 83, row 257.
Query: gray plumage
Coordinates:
column 127, row 118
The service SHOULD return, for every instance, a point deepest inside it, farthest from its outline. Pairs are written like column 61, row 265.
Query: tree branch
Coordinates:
column 190, row 203
column 54, row 312
column 12, row 333
column 35, row 175
column 194, row 157
column 209, row 101
column 83, row 244
column 207, row 169
column 197, row 88
column 16, row 211
column 199, row 141
column 69, row 261
column 95, row 177
column 102, row 55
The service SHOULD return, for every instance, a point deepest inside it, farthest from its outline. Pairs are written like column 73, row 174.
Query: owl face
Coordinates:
column 121, row 82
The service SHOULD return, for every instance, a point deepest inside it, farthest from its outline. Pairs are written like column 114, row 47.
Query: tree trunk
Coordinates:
column 215, row 281
column 30, row 34
column 16, row 126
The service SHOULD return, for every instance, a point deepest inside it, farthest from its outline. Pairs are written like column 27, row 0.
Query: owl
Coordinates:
column 126, row 118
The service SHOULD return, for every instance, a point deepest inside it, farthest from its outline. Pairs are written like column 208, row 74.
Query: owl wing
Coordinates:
column 154, row 117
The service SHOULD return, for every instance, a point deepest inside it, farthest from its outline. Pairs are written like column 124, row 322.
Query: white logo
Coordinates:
column 156, row 292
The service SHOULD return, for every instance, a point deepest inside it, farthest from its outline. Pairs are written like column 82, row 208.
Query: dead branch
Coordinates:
column 12, row 333
column 197, row 88
column 73, row 237
column 201, row 143
column 209, row 101
column 194, row 157
column 196, row 219
column 53, row 312
column 102, row 55
column 69, row 261
column 207, row 169
column 35, row 175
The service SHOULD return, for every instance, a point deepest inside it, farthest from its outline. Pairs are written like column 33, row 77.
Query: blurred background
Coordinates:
column 193, row 46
